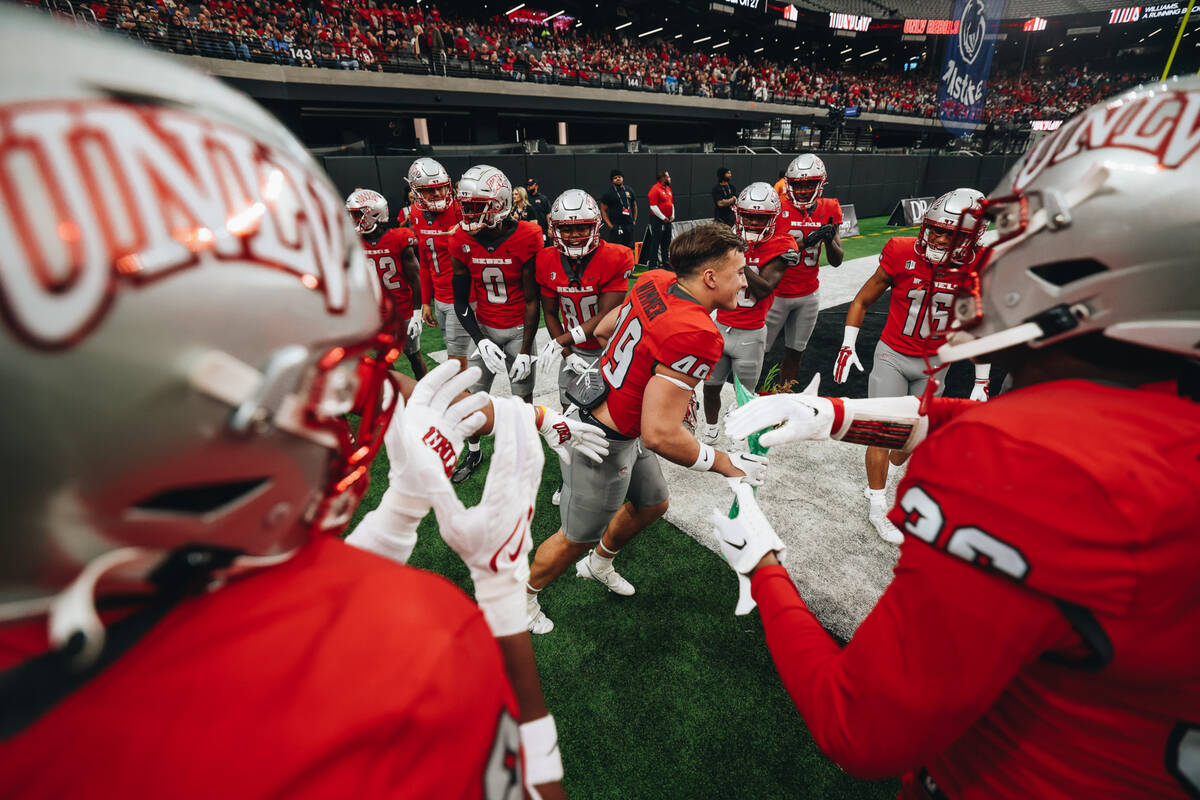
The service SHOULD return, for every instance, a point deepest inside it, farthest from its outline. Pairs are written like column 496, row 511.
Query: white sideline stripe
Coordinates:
column 813, row 496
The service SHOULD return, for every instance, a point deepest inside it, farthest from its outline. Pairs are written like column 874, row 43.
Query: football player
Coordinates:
column 582, row 278
column 770, row 252
column 390, row 250
column 493, row 257
column 918, row 270
column 814, row 221
column 432, row 217
column 659, row 344
column 1041, row 635
column 206, row 386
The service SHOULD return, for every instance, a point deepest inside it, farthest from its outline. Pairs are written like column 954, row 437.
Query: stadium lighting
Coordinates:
column 797, row 47
column 1156, row 30
column 701, row 39
column 622, row 25
column 679, row 36
column 647, row 33
column 847, row 50
column 719, row 46
column 555, row 14
column 759, row 50
column 515, row 8
column 883, row 59
column 871, row 52
column 847, row 59
column 579, row 24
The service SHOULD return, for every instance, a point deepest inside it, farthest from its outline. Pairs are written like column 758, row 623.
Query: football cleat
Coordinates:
column 536, row 619
column 883, row 526
column 556, row 498
column 710, row 433
column 609, row 577
column 467, row 466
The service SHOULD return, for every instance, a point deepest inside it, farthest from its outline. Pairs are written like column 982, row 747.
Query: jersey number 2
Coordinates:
column 387, row 272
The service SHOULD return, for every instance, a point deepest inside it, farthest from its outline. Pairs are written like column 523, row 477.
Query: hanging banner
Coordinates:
column 963, row 86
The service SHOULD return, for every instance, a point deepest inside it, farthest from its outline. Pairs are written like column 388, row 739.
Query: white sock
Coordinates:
column 474, row 447
column 531, row 598
column 878, row 497
column 601, row 562
column 710, row 429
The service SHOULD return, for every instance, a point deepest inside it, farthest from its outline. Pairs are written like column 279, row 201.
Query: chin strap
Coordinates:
column 83, row 647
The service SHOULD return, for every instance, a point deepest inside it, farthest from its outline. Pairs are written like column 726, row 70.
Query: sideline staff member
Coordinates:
column 724, row 195
column 619, row 209
column 662, row 214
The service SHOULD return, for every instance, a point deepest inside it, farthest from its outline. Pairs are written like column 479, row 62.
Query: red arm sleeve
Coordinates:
column 944, row 409
column 930, row 658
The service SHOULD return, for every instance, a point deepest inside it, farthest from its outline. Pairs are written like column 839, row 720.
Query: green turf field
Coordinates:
column 665, row 694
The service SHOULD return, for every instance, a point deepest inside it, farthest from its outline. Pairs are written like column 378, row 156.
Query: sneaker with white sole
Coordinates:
column 536, row 619
column 610, row 578
column 556, row 498
column 710, row 433
column 883, row 526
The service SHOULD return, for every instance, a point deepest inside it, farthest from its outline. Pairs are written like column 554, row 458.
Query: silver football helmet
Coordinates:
column 755, row 212
column 184, row 335
column 430, row 184
column 485, row 197
column 1098, row 229
column 574, row 222
column 368, row 209
column 806, row 178
column 944, row 216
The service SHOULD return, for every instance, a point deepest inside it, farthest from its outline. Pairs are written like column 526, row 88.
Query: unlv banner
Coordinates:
column 963, row 87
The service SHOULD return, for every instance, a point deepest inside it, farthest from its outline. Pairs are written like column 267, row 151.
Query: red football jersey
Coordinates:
column 578, row 284
column 335, row 674
column 751, row 313
column 433, row 250
column 384, row 256
column 655, row 325
column 496, row 272
column 1041, row 636
column 921, row 307
column 801, row 280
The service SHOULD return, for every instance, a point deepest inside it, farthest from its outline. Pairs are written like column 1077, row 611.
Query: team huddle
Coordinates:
column 200, row 345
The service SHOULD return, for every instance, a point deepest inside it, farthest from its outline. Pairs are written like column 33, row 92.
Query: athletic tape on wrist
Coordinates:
column 577, row 334
column 704, row 462
column 539, row 740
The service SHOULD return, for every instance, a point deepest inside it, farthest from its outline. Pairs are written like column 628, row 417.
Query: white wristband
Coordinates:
column 850, row 336
column 539, row 740
column 577, row 334
column 706, row 459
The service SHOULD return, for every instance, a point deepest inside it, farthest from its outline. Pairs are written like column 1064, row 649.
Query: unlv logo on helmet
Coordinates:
column 101, row 197
column 1161, row 123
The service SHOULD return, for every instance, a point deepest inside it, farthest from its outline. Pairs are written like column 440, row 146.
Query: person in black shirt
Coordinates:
column 724, row 195
column 539, row 207
column 619, row 209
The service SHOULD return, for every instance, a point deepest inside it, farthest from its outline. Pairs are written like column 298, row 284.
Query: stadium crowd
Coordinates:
column 364, row 34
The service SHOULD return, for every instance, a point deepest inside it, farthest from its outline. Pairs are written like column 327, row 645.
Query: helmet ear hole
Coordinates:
column 1061, row 273
column 202, row 499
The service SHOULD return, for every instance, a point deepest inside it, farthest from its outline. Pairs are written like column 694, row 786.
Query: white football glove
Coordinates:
column 983, row 377
column 492, row 355
column 846, row 357
column 793, row 417
column 745, row 539
column 522, row 365
column 414, row 327
column 578, row 364
column 754, row 466
column 424, row 439
column 493, row 537
column 565, row 434
column 549, row 355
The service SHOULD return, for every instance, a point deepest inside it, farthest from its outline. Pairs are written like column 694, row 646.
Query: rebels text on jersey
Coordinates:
column 658, row 323
column 385, row 255
column 578, row 284
column 264, row 704
column 921, row 306
column 751, row 313
column 801, row 280
column 433, row 251
column 497, row 272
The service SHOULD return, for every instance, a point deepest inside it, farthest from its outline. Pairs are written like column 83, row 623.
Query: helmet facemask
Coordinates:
column 479, row 213
column 754, row 226
column 804, row 191
column 575, row 239
column 434, row 197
